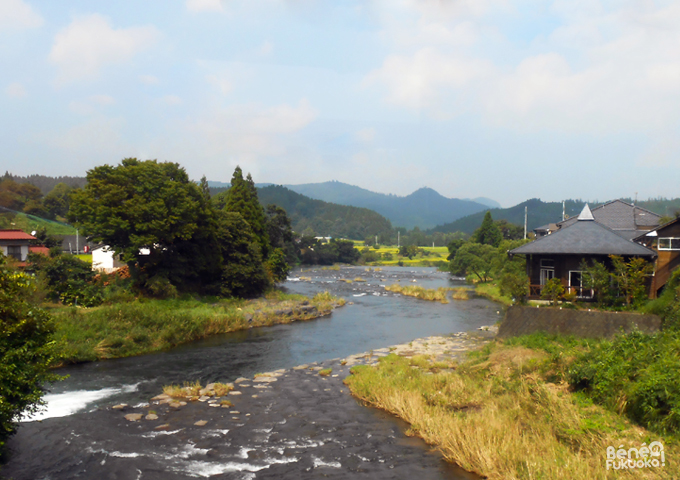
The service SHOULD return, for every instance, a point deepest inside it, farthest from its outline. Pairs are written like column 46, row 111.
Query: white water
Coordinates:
column 68, row 403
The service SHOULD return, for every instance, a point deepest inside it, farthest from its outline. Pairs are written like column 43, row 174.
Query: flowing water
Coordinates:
column 372, row 319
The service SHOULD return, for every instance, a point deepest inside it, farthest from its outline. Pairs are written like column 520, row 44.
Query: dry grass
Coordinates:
column 325, row 372
column 187, row 391
column 305, row 279
column 496, row 416
column 438, row 295
column 222, row 389
column 193, row 391
column 460, row 293
column 346, row 280
column 359, row 279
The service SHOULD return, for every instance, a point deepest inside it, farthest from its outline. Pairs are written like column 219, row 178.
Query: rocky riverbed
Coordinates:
column 290, row 423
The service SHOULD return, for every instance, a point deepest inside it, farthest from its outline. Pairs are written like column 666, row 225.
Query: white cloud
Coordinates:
column 99, row 135
column 600, row 70
column 366, row 135
column 172, row 100
column 89, row 43
column 15, row 90
column 103, row 99
column 417, row 81
column 17, row 14
column 250, row 132
column 265, row 49
column 223, row 85
column 149, row 79
column 89, row 105
column 204, row 5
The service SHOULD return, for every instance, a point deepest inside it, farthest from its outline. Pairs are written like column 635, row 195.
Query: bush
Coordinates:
column 636, row 375
column 552, row 290
column 26, row 350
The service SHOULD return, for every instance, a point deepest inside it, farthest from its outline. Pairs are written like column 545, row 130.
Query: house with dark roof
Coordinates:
column 561, row 253
column 626, row 219
column 15, row 244
column 665, row 241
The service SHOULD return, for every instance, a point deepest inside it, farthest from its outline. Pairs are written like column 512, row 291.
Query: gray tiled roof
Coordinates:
column 584, row 238
column 622, row 216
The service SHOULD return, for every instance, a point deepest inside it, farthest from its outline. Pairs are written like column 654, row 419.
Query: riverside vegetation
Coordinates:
column 147, row 326
column 434, row 295
column 509, row 412
column 541, row 406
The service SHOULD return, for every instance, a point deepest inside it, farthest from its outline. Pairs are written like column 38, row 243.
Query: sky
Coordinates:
column 506, row 99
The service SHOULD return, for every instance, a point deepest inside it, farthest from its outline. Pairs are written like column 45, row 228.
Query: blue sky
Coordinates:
column 508, row 99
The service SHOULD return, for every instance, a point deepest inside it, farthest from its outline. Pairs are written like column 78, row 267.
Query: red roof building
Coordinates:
column 15, row 244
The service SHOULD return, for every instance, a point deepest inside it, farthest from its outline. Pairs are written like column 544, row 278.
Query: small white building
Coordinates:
column 103, row 259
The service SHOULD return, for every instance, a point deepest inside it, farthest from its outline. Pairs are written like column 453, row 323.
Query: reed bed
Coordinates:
column 431, row 294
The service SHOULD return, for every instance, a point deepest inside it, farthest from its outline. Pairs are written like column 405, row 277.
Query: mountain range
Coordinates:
column 425, row 208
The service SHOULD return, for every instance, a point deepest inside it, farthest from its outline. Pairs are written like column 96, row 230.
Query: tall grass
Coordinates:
column 139, row 327
column 497, row 416
column 431, row 294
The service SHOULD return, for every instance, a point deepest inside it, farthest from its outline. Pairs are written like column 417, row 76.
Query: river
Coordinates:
column 372, row 319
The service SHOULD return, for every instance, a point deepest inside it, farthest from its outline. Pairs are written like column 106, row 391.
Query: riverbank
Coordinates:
column 141, row 327
column 506, row 412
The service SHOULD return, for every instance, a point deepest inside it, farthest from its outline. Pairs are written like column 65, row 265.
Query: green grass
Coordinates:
column 85, row 257
column 28, row 223
column 492, row 292
column 140, row 327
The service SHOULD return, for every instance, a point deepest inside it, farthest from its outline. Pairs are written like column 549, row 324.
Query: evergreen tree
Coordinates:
column 242, row 198
column 488, row 233
column 243, row 273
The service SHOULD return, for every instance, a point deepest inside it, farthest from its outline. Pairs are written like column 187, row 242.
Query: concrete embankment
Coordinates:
column 581, row 323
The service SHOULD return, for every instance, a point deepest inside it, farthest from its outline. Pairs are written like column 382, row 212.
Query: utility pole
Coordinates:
column 563, row 211
column 398, row 238
column 525, row 222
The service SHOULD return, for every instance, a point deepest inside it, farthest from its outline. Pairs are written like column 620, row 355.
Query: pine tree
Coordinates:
column 488, row 233
column 242, row 198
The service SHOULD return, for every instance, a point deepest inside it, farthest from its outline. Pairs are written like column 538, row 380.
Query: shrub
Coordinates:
column 636, row 375
column 26, row 350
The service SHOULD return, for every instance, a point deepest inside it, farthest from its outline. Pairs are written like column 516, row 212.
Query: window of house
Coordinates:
column 547, row 263
column 14, row 251
column 547, row 274
column 576, row 285
column 669, row 243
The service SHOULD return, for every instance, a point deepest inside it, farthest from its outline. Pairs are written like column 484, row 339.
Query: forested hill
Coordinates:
column 45, row 183
column 321, row 218
column 538, row 213
column 541, row 213
column 424, row 208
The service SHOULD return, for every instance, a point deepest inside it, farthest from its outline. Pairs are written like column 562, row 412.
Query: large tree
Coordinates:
column 138, row 206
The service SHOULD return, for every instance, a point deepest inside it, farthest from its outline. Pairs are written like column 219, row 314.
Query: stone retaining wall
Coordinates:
column 525, row 320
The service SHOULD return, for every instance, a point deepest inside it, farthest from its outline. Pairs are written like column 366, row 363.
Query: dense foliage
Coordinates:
column 66, row 279
column 173, row 236
column 314, row 252
column 26, row 350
